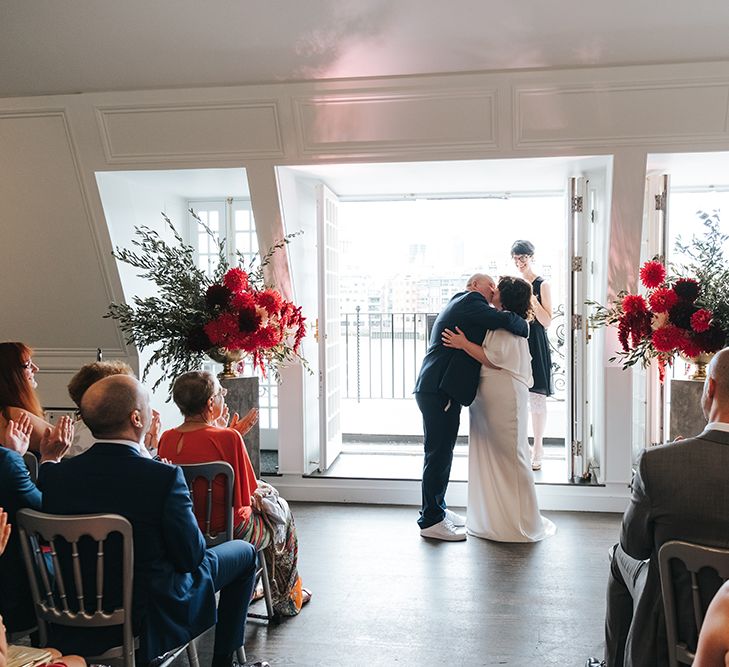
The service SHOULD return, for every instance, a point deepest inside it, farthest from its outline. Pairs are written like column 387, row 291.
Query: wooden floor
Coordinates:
column 385, row 596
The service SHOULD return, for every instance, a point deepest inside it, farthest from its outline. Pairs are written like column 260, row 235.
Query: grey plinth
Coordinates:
column 687, row 419
column 242, row 396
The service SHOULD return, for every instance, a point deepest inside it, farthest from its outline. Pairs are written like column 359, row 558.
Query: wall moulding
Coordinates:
column 161, row 133
column 369, row 122
column 620, row 114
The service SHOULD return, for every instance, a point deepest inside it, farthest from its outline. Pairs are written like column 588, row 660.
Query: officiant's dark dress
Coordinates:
column 539, row 349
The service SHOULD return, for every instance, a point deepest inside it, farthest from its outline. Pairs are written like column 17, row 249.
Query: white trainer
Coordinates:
column 456, row 519
column 444, row 530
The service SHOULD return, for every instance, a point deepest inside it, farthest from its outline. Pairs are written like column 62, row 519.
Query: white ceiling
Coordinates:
column 69, row 46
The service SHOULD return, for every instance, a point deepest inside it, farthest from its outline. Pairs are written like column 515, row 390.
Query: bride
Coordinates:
column 502, row 501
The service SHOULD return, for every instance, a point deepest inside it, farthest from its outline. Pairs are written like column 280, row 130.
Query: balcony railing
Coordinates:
column 383, row 352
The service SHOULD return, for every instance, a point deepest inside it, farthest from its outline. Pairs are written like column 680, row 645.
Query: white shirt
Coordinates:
column 717, row 426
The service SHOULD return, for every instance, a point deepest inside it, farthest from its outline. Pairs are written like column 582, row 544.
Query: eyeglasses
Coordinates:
column 521, row 258
column 223, row 392
column 28, row 364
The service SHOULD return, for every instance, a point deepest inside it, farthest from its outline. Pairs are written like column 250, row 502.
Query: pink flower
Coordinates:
column 701, row 321
column 652, row 274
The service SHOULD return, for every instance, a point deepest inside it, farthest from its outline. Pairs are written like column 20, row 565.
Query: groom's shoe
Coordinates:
column 595, row 662
column 456, row 519
column 445, row 530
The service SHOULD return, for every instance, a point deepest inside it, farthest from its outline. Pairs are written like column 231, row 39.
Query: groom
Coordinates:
column 447, row 380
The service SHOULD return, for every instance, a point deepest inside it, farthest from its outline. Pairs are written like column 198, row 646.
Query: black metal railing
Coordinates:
column 383, row 352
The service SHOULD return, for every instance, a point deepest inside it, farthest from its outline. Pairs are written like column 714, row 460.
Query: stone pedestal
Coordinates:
column 686, row 419
column 242, row 396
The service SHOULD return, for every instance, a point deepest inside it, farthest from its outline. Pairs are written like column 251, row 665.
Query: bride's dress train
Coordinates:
column 502, row 500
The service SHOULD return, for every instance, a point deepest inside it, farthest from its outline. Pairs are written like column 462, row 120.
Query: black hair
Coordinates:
column 522, row 247
column 516, row 296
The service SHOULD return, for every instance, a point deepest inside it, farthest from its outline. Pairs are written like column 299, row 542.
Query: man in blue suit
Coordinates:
column 447, row 380
column 175, row 576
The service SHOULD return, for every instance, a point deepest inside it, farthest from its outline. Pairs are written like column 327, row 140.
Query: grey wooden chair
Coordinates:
column 52, row 586
column 209, row 472
column 707, row 568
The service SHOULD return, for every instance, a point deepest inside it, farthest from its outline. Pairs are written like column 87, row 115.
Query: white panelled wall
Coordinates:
column 58, row 273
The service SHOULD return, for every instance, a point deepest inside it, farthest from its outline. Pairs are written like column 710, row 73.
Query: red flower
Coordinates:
column 236, row 280
column 662, row 300
column 690, row 347
column 652, row 274
column 223, row 330
column 687, row 289
column 248, row 320
column 269, row 299
column 668, row 338
column 701, row 321
column 217, row 295
column 634, row 304
column 243, row 301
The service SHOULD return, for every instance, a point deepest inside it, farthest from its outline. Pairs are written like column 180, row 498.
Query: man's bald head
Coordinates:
column 483, row 283
column 715, row 398
column 116, row 407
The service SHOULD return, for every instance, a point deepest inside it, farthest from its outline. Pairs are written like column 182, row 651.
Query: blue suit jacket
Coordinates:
column 17, row 492
column 452, row 371
column 174, row 596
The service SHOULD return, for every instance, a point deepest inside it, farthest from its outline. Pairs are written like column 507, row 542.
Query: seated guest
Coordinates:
column 713, row 649
column 17, row 491
column 17, row 390
column 84, row 378
column 175, row 576
column 679, row 492
column 201, row 438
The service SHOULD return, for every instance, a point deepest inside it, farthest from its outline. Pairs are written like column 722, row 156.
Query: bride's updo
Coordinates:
column 516, row 296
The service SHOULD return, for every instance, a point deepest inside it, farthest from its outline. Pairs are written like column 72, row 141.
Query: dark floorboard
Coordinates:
column 385, row 596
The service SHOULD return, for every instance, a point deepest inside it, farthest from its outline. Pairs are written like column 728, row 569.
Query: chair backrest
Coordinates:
column 31, row 462
column 209, row 472
column 58, row 590
column 695, row 559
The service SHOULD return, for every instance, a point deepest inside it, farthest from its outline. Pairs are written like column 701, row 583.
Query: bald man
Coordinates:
column 175, row 576
column 448, row 379
column 680, row 491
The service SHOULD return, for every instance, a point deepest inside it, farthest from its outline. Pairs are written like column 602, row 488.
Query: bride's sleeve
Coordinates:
column 500, row 348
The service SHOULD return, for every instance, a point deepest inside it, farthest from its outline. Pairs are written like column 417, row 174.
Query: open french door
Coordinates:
column 328, row 328
column 586, row 236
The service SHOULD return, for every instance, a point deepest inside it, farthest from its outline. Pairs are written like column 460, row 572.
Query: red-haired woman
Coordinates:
column 17, row 390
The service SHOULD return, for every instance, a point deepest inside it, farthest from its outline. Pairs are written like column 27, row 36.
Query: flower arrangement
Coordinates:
column 194, row 314
column 682, row 312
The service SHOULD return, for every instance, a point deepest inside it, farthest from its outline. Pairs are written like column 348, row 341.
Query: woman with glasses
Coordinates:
column 204, row 436
column 522, row 252
column 17, row 390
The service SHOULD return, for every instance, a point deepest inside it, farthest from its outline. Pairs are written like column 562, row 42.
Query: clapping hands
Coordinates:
column 17, row 434
column 246, row 424
column 151, row 437
column 56, row 441
column 4, row 530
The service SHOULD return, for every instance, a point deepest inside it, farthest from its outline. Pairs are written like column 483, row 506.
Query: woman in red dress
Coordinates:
column 204, row 436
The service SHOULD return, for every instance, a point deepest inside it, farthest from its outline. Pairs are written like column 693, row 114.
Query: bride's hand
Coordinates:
column 455, row 339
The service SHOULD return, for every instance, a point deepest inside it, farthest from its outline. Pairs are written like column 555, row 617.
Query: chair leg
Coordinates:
column 266, row 585
column 192, row 654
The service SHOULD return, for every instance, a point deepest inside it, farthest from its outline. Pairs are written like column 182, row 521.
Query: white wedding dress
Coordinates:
column 502, row 501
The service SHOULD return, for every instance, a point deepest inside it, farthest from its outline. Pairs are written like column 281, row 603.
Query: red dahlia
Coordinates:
column 662, row 300
column 701, row 320
column 668, row 338
column 236, row 280
column 634, row 304
column 652, row 274
column 269, row 299
column 690, row 347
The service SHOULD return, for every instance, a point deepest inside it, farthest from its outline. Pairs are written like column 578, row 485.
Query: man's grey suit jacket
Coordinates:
column 679, row 492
